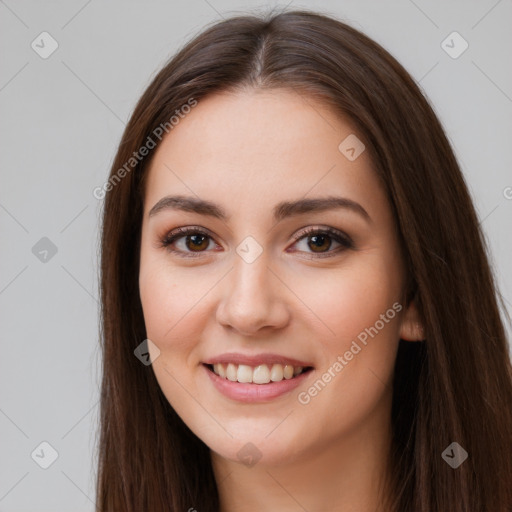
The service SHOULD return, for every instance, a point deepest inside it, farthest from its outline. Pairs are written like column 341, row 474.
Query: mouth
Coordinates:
column 262, row 374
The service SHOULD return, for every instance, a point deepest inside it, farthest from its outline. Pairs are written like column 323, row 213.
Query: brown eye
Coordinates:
column 187, row 241
column 319, row 243
column 196, row 243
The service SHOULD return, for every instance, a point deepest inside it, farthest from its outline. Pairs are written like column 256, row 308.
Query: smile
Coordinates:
column 249, row 391
column 260, row 374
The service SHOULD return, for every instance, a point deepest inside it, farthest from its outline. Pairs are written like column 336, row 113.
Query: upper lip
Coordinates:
column 254, row 360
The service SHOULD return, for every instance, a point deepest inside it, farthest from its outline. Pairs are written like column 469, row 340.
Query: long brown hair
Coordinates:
column 456, row 386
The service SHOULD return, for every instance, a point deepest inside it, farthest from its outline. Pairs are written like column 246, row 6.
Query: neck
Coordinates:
column 347, row 474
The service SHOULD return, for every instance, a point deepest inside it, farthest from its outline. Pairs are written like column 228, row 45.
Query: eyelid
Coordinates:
column 339, row 236
column 187, row 230
column 345, row 241
column 311, row 230
column 181, row 232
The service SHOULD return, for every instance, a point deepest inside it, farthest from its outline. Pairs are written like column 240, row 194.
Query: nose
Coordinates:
column 254, row 298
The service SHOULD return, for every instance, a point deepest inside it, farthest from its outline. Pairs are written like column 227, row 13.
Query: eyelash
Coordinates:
column 344, row 240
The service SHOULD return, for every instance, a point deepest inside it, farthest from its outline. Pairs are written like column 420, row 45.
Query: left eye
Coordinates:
column 319, row 241
column 192, row 241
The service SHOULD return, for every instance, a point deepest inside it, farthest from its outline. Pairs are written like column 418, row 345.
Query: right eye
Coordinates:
column 187, row 242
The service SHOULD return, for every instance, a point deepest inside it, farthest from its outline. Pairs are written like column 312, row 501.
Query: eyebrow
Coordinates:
column 281, row 210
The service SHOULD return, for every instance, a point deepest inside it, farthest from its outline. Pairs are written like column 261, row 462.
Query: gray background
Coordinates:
column 62, row 118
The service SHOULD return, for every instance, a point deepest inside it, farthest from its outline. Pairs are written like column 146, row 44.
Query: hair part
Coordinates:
column 454, row 386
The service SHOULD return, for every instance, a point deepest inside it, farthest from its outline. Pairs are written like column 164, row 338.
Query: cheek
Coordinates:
column 173, row 302
column 159, row 298
column 163, row 295
column 343, row 302
column 361, row 306
column 357, row 313
column 172, row 310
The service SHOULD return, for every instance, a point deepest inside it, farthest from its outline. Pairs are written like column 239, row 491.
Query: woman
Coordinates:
column 295, row 288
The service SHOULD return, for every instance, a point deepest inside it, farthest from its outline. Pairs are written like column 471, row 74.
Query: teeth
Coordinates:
column 231, row 372
column 221, row 370
column 276, row 373
column 244, row 373
column 288, row 371
column 261, row 374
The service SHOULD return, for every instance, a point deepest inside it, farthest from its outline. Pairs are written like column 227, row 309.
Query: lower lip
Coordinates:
column 249, row 392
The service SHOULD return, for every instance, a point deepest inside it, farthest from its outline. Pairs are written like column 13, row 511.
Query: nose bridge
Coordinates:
column 250, row 279
column 253, row 298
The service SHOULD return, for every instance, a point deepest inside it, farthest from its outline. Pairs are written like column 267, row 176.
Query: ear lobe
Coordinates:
column 412, row 328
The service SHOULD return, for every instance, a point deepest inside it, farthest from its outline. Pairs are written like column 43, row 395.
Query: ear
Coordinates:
column 412, row 328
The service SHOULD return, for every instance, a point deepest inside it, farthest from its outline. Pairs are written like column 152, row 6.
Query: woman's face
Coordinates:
column 271, row 272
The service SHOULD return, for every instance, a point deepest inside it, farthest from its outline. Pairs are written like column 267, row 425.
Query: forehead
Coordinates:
column 259, row 145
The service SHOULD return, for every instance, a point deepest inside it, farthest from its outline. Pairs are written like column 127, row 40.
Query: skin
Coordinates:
column 247, row 152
